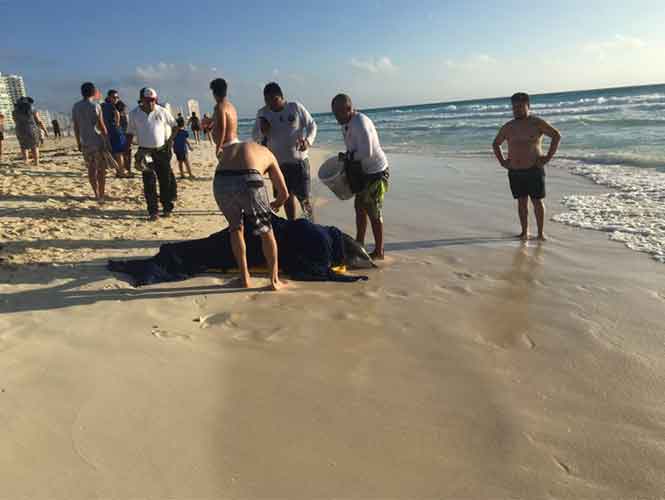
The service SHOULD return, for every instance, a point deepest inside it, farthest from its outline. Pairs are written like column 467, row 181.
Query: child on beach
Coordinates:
column 181, row 147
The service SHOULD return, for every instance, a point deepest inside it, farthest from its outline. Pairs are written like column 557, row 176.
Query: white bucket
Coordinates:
column 332, row 174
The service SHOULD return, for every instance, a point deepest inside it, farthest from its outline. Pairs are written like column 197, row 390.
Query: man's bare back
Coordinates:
column 252, row 156
column 246, row 156
column 225, row 129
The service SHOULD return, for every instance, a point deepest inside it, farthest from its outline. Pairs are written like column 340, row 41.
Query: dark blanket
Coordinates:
column 307, row 252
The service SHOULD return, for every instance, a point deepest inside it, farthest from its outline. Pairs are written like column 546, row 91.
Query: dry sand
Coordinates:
column 469, row 366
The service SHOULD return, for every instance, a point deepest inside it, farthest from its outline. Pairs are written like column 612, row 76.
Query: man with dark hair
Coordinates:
column 364, row 154
column 288, row 130
column 195, row 124
column 526, row 162
column 91, row 136
column 241, row 196
column 153, row 126
column 123, row 111
column 225, row 117
column 57, row 133
column 117, row 137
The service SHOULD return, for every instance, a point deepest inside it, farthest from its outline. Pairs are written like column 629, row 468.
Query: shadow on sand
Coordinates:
column 78, row 277
column 447, row 242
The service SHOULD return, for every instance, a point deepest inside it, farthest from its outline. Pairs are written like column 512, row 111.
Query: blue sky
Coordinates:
column 381, row 52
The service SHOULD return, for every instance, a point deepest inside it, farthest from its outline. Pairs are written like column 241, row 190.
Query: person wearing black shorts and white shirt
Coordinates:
column 153, row 126
column 288, row 130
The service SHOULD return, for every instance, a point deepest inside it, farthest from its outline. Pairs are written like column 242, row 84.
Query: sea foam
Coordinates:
column 633, row 212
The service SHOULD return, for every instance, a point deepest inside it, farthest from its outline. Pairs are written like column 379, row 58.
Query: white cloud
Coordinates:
column 618, row 43
column 380, row 65
column 156, row 72
column 475, row 61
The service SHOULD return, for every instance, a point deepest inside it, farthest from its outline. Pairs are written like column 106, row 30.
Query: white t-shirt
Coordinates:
column 151, row 130
column 286, row 127
column 362, row 140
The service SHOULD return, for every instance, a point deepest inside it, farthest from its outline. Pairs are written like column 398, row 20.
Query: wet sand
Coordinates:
column 469, row 366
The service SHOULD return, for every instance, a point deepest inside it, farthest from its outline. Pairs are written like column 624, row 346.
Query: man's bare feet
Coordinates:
column 542, row 237
column 377, row 255
column 523, row 236
column 276, row 285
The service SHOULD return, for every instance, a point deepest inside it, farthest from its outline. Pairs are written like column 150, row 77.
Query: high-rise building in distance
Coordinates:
column 12, row 88
column 193, row 106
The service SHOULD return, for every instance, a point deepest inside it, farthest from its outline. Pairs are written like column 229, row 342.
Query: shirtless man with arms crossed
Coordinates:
column 242, row 197
column 526, row 162
column 225, row 118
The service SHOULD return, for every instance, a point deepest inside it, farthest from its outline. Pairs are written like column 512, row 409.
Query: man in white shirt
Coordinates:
column 153, row 125
column 288, row 130
column 370, row 181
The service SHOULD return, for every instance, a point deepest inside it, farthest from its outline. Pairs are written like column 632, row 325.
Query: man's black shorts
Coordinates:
column 528, row 182
column 181, row 155
column 298, row 178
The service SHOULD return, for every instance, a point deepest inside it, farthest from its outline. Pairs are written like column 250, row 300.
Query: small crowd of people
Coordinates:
column 284, row 132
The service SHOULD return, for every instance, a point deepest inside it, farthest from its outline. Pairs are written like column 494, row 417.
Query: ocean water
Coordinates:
column 617, row 126
column 614, row 137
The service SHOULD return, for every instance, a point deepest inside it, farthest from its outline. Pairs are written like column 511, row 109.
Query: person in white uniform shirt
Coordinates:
column 153, row 125
column 363, row 151
column 288, row 130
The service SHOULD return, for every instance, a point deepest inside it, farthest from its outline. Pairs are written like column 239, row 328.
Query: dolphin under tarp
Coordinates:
column 307, row 252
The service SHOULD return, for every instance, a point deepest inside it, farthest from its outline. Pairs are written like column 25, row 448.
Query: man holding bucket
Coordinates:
column 366, row 170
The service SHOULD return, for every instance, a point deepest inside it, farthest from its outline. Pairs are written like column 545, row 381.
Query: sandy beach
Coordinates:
column 468, row 366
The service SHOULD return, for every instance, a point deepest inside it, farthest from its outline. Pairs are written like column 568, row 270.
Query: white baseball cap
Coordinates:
column 148, row 93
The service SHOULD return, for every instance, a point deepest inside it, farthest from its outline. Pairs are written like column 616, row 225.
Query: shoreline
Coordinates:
column 470, row 365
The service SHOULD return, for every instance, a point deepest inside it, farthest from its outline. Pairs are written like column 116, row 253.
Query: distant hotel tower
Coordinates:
column 193, row 106
column 11, row 88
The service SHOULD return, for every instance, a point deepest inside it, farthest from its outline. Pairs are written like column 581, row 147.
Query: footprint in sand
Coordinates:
column 229, row 320
column 342, row 315
column 506, row 339
column 367, row 294
column 562, row 465
column 163, row 334
column 463, row 289
column 400, row 294
column 200, row 301
column 261, row 335
column 234, row 323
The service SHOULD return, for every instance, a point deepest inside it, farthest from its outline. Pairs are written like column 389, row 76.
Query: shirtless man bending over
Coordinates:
column 242, row 197
column 526, row 162
column 225, row 118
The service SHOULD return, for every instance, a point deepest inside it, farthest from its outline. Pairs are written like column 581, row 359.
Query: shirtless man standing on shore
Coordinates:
column 241, row 195
column 225, row 118
column 526, row 162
